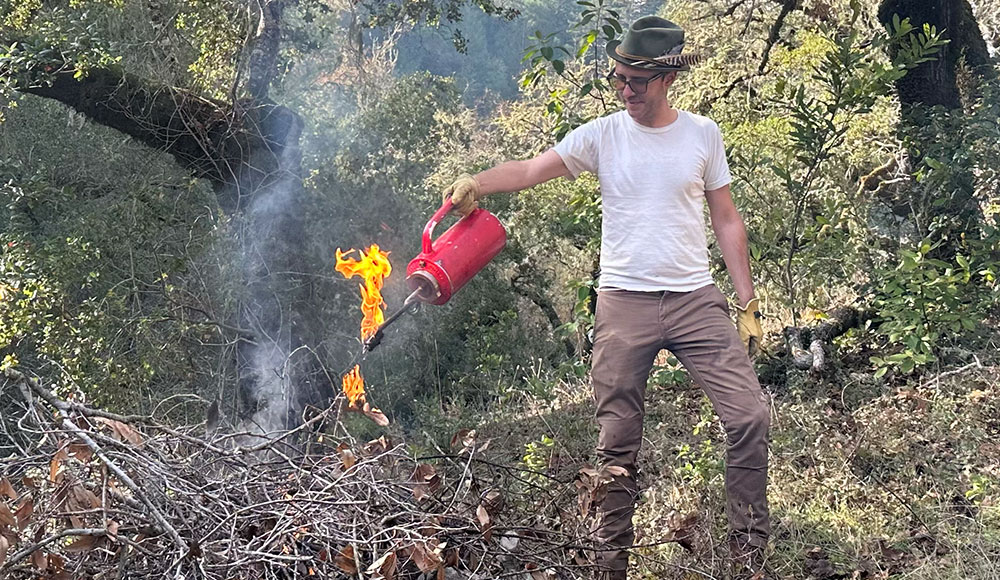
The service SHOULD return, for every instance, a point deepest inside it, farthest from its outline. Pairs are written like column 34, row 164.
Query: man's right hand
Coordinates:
column 463, row 193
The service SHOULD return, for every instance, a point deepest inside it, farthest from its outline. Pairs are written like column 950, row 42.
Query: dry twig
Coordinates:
column 87, row 493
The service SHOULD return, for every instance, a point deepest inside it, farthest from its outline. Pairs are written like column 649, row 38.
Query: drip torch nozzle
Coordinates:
column 411, row 304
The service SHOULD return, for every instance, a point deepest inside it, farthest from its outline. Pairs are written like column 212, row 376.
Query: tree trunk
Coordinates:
column 237, row 147
column 936, row 82
column 249, row 152
column 946, row 209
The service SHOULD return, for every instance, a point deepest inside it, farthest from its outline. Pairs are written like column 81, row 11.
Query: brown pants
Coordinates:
column 631, row 328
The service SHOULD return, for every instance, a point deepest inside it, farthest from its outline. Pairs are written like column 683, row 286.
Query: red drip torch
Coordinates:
column 445, row 265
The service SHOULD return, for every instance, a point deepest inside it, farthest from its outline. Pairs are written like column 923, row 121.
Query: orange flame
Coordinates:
column 373, row 268
column 354, row 386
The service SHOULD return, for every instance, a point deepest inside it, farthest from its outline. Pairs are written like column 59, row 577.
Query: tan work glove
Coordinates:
column 463, row 193
column 748, row 325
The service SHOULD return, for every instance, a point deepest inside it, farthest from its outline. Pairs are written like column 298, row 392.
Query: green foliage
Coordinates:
column 913, row 49
column 219, row 32
column 93, row 257
column 582, row 317
column 536, row 458
column 18, row 14
column 669, row 374
column 580, row 71
column 852, row 78
column 62, row 328
column 43, row 43
column 980, row 487
column 955, row 160
column 25, row 297
column 938, row 292
column 392, row 140
column 846, row 81
column 926, row 303
column 700, row 462
column 921, row 298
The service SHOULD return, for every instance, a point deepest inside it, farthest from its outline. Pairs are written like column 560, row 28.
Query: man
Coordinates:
column 657, row 166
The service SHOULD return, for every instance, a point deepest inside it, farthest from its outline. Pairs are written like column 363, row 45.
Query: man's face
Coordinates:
column 643, row 92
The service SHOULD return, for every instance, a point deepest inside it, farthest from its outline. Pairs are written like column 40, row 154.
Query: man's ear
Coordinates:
column 669, row 78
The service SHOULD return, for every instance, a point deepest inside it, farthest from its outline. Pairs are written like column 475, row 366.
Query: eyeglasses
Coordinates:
column 638, row 84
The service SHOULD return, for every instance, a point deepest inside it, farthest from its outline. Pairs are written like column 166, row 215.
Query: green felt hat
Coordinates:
column 652, row 43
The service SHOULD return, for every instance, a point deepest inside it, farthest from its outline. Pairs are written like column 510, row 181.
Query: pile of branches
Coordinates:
column 85, row 493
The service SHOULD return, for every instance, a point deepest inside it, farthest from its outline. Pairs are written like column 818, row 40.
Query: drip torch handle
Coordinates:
column 426, row 243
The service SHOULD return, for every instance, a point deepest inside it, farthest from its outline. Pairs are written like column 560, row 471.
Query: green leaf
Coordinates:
column 933, row 163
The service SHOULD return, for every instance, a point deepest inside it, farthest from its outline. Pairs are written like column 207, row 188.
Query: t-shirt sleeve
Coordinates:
column 578, row 149
column 717, row 169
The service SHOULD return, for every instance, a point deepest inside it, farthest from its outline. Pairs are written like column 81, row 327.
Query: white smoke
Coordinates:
column 271, row 377
column 272, row 391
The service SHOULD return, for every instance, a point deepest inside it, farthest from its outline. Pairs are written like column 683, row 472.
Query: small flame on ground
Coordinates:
column 373, row 268
column 354, row 386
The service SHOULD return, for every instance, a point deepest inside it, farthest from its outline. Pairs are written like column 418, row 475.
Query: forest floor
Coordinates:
column 868, row 478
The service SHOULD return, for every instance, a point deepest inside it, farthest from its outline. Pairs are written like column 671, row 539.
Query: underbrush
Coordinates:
column 867, row 479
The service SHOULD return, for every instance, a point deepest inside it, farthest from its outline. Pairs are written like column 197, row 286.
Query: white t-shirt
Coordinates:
column 653, row 183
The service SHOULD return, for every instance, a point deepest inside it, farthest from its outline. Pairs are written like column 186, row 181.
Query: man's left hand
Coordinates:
column 748, row 324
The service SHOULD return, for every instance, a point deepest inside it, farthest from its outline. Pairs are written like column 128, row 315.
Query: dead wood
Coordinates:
column 97, row 492
column 819, row 337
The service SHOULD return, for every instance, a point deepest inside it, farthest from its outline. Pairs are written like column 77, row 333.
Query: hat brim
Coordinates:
column 612, row 46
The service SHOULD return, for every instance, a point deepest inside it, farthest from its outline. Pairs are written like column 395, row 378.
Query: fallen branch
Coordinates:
column 22, row 554
column 819, row 337
column 975, row 364
column 163, row 503
column 67, row 424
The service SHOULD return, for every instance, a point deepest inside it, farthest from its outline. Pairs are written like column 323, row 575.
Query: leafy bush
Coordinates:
column 925, row 303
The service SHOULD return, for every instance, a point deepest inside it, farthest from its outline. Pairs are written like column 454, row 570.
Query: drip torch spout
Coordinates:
column 411, row 304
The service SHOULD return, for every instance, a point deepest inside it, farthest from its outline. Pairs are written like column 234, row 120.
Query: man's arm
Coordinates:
column 507, row 177
column 517, row 175
column 732, row 236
